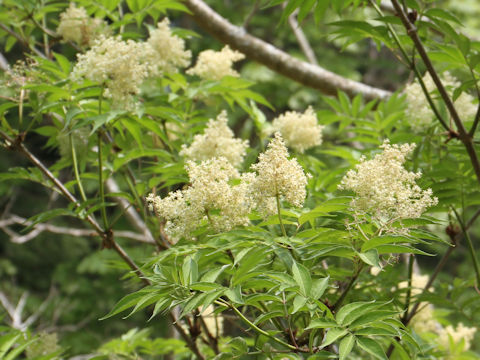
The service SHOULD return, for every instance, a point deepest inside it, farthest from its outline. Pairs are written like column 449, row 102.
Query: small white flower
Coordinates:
column 76, row 26
column 211, row 198
column 167, row 50
column 278, row 176
column 214, row 65
column 118, row 65
column 300, row 131
column 385, row 189
column 216, row 141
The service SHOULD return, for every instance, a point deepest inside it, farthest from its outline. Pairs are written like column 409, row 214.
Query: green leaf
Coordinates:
column 63, row 62
column 366, row 308
column 400, row 351
column 298, row 302
column 372, row 317
column 301, row 275
column 318, row 287
column 305, row 8
column 6, row 342
column 351, row 309
column 290, row 8
column 126, row 302
column 385, row 239
column 144, row 302
column 213, row 274
column 13, row 354
column 333, row 335
column 400, row 249
column 204, row 286
column 267, row 316
column 378, row 329
column 194, row 302
column 322, row 324
column 235, row 295
column 159, row 307
column 370, row 257
column 346, row 346
column 442, row 14
column 372, row 347
column 100, row 120
column 239, row 345
column 189, row 271
column 47, row 215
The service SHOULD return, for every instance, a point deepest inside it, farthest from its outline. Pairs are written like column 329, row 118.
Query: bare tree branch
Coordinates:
column 130, row 213
column 16, row 312
column 307, row 74
column 4, row 63
column 107, row 235
column 302, row 39
column 39, row 228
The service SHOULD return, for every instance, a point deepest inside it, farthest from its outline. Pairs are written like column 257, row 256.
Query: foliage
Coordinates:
column 94, row 144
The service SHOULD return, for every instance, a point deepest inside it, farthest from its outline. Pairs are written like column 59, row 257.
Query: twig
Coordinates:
column 411, row 260
column 4, row 65
column 22, row 41
column 256, row 49
column 131, row 215
column 251, row 14
column 412, row 65
column 212, row 340
column 255, row 327
column 42, row 227
column 284, row 233
column 285, row 312
column 471, row 249
column 472, row 219
column 462, row 132
column 302, row 39
column 475, row 121
column 347, row 289
column 107, row 236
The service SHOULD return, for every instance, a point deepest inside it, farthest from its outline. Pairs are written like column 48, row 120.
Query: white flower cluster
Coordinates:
column 300, row 131
column 278, row 176
column 219, row 197
column 75, row 25
column 167, row 50
column 418, row 109
column 214, row 65
column 456, row 335
column 117, row 64
column 216, row 141
column 210, row 199
column 385, row 189
column 121, row 66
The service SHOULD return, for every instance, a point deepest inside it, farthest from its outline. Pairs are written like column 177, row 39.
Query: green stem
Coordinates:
column 289, row 320
column 100, row 182
column 411, row 260
column 75, row 168
column 255, row 327
column 277, row 197
column 100, row 165
column 352, row 281
column 471, row 249
column 275, row 321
